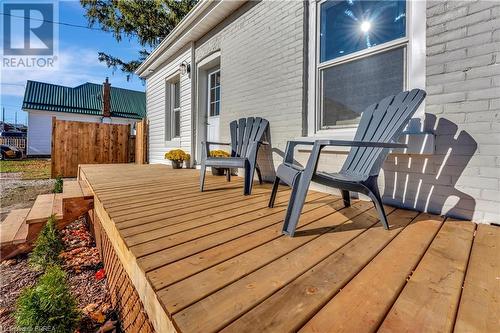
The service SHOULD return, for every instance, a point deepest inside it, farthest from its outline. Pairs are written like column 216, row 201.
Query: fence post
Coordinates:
column 52, row 149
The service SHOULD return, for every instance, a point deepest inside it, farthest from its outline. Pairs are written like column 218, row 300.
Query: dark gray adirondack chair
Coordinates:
column 246, row 137
column 380, row 125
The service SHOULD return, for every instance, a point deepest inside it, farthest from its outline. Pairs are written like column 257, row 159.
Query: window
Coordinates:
column 173, row 109
column 362, row 57
column 214, row 94
column 176, row 109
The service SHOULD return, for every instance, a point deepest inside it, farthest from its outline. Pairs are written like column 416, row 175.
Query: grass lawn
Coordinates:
column 29, row 168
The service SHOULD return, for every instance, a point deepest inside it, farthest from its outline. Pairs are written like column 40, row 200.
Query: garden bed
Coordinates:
column 86, row 279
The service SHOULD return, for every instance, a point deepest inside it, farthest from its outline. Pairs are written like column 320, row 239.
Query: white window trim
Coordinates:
column 169, row 81
column 415, row 41
column 208, row 93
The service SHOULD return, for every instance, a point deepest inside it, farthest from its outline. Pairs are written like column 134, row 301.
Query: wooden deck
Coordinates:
column 216, row 261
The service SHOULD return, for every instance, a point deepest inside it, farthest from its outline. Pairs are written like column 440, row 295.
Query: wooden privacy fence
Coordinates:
column 141, row 142
column 75, row 143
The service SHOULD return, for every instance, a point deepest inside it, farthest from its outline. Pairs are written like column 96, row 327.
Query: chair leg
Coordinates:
column 347, row 198
column 228, row 175
column 374, row 194
column 291, row 220
column 273, row 192
column 249, row 171
column 259, row 175
column 297, row 200
column 202, row 177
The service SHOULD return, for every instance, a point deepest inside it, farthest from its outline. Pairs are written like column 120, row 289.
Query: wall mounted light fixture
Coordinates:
column 184, row 68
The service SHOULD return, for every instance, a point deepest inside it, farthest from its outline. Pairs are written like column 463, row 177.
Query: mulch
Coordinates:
column 86, row 278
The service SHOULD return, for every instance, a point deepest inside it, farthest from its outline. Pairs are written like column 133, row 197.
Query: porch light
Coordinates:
column 184, row 68
column 366, row 26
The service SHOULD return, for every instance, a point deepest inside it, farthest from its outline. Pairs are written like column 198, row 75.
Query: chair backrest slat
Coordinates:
column 381, row 122
column 245, row 133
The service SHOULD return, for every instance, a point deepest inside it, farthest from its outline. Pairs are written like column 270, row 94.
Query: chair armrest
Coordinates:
column 216, row 143
column 290, row 147
column 372, row 144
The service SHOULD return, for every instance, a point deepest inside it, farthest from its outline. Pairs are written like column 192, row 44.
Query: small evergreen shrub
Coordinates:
column 48, row 246
column 58, row 185
column 48, row 306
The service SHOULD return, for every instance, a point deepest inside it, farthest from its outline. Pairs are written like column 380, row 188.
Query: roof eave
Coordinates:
column 180, row 36
column 193, row 14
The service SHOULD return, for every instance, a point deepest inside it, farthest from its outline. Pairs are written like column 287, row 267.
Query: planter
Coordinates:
column 176, row 164
column 218, row 171
column 187, row 164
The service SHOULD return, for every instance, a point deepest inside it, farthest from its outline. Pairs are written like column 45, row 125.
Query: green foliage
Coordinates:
column 48, row 306
column 58, row 185
column 149, row 21
column 48, row 246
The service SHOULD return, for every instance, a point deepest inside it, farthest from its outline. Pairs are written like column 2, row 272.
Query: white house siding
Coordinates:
column 156, row 108
column 462, row 178
column 40, row 128
column 261, row 47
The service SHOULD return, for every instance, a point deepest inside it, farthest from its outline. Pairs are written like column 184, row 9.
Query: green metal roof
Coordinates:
column 83, row 99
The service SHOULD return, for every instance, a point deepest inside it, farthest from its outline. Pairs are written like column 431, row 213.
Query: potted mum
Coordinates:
column 176, row 156
column 221, row 154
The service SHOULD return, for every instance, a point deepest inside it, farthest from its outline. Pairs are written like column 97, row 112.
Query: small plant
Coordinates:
column 48, row 246
column 58, row 185
column 177, row 155
column 49, row 305
column 219, row 153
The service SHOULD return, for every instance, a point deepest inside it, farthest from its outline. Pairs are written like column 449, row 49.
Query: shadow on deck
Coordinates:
column 211, row 261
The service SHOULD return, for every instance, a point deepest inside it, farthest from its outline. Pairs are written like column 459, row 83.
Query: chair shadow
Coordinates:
column 428, row 182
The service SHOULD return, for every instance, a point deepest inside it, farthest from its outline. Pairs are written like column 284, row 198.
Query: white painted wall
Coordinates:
column 156, row 105
column 40, row 128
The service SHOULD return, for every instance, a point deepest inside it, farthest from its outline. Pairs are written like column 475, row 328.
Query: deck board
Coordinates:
column 216, row 260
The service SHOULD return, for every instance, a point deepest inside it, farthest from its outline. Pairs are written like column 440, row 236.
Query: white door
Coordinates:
column 213, row 107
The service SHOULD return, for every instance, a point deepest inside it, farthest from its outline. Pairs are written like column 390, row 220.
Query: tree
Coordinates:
column 150, row 21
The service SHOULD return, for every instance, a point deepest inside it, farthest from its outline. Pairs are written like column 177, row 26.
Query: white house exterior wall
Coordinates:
column 156, row 108
column 262, row 74
column 40, row 128
column 261, row 64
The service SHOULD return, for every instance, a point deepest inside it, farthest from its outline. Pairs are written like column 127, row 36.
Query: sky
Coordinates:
column 78, row 63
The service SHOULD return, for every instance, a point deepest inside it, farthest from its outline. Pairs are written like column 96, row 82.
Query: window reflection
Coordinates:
column 350, row 26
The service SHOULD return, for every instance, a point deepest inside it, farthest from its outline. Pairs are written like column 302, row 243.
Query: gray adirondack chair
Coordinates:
column 246, row 137
column 380, row 126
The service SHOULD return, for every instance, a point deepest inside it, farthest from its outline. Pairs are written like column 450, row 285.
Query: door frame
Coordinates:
column 207, row 65
column 209, row 101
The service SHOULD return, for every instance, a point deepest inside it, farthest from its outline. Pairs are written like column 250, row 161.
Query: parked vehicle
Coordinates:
column 12, row 134
column 10, row 152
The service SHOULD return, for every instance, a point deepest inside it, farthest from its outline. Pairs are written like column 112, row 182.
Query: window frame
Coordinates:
column 170, row 82
column 209, row 88
column 174, row 109
column 415, row 65
column 321, row 66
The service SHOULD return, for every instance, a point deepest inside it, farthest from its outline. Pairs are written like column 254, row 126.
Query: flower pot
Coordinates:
column 187, row 164
column 218, row 171
column 176, row 164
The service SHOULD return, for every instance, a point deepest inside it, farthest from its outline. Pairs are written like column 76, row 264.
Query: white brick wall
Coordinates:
column 261, row 67
column 463, row 109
